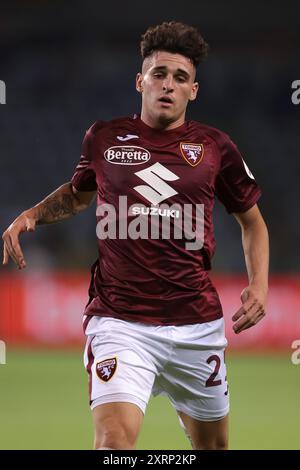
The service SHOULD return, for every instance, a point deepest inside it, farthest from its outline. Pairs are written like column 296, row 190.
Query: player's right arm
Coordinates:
column 63, row 203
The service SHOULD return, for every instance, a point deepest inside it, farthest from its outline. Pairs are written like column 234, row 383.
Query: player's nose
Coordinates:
column 168, row 83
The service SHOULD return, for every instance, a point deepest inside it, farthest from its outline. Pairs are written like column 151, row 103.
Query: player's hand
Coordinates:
column 11, row 246
column 252, row 310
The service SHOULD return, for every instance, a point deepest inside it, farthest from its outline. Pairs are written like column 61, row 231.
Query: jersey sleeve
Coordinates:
column 84, row 177
column 235, row 187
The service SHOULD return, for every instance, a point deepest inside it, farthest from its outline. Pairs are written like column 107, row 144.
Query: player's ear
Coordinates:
column 194, row 91
column 139, row 82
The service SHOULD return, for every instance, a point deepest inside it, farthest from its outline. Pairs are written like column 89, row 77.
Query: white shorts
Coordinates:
column 128, row 361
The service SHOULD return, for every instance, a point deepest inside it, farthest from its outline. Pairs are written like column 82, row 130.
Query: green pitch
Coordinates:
column 43, row 404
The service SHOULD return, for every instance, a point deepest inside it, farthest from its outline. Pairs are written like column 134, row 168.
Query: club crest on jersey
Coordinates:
column 127, row 155
column 106, row 369
column 192, row 153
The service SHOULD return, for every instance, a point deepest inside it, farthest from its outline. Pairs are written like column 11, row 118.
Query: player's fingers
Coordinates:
column 255, row 321
column 16, row 247
column 249, row 320
column 250, row 313
column 17, row 257
column 8, row 247
column 18, row 251
column 261, row 316
column 248, row 324
column 244, row 309
column 241, row 311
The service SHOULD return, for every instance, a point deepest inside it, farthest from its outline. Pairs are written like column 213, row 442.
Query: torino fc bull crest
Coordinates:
column 106, row 369
column 192, row 153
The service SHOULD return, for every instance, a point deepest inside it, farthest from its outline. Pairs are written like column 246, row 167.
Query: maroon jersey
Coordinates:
column 149, row 274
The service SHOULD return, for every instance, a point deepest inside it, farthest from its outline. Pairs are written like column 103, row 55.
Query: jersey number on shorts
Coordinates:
column 211, row 382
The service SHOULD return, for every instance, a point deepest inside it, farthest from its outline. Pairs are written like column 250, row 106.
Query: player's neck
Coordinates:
column 156, row 124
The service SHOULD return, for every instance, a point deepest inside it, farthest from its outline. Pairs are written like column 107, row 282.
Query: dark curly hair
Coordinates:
column 174, row 37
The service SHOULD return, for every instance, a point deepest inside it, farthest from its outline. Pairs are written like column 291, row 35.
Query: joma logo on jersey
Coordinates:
column 127, row 155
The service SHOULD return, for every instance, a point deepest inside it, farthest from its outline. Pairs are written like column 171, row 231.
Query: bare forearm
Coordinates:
column 59, row 205
column 256, row 249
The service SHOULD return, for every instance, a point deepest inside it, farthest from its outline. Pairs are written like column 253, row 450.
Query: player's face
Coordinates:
column 167, row 85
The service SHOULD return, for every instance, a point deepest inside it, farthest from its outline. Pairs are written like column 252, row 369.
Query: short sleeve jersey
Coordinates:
column 155, row 197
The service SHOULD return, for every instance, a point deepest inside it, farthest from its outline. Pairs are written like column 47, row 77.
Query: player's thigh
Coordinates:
column 120, row 364
column 206, row 435
column 195, row 378
column 117, row 424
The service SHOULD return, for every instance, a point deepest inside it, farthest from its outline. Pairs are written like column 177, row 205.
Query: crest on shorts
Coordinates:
column 192, row 153
column 106, row 369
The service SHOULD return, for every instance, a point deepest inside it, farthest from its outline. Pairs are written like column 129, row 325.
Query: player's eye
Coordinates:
column 181, row 78
column 158, row 75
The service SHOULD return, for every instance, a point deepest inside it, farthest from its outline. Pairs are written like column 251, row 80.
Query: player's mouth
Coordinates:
column 166, row 101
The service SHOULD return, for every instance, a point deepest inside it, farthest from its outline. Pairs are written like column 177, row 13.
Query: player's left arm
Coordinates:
column 255, row 241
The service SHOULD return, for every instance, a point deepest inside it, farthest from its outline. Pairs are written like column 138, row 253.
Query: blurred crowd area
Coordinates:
column 67, row 64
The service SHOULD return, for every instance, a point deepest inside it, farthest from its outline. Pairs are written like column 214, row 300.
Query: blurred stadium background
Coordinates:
column 67, row 64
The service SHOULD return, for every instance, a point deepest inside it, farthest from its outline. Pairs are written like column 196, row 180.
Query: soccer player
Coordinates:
column 154, row 321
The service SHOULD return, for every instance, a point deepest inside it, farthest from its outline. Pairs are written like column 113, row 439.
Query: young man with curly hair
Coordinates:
column 154, row 322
